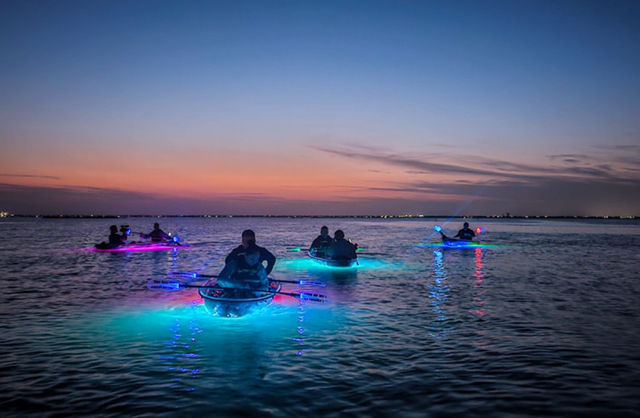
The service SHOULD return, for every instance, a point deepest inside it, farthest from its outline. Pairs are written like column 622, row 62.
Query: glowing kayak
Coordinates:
column 458, row 243
column 139, row 246
column 350, row 262
column 234, row 303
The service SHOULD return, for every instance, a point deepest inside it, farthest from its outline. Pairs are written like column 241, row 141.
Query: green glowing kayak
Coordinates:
column 350, row 262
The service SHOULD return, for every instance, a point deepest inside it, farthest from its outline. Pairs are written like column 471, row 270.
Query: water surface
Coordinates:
column 542, row 322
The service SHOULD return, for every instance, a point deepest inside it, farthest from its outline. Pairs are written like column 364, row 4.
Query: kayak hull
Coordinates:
column 458, row 243
column 137, row 246
column 235, row 303
column 334, row 263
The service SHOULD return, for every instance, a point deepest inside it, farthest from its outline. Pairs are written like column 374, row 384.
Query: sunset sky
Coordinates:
column 284, row 107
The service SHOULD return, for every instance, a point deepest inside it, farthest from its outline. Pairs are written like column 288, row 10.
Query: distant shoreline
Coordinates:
column 321, row 216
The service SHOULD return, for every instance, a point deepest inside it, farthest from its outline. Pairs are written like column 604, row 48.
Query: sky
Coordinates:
column 320, row 108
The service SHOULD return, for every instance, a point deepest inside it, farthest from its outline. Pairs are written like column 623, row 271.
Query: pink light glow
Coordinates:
column 137, row 248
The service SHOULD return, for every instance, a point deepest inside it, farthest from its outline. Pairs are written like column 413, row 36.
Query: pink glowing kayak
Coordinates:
column 139, row 246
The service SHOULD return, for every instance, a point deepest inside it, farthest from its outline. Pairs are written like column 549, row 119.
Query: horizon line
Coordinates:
column 384, row 216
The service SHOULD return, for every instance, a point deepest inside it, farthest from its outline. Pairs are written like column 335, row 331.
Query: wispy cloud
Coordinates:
column 576, row 166
column 35, row 176
column 569, row 184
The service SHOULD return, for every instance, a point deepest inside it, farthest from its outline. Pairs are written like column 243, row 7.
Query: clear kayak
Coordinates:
column 138, row 246
column 461, row 244
column 234, row 303
column 327, row 261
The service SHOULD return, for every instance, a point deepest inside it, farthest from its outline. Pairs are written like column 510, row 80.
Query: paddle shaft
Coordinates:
column 297, row 295
column 215, row 276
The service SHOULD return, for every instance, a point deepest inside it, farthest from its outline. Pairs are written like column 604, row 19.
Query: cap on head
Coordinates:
column 113, row 229
column 324, row 229
column 339, row 234
column 466, row 225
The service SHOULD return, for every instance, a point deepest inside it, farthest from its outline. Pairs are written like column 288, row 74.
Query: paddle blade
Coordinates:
column 313, row 297
column 186, row 274
column 311, row 283
column 437, row 228
column 301, row 282
column 167, row 285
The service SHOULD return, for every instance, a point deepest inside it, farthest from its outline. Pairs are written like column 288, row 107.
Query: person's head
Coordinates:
column 324, row 231
column 338, row 235
column 156, row 225
column 466, row 225
column 113, row 229
column 248, row 238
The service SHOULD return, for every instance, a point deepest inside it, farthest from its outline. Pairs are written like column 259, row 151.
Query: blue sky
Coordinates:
column 249, row 101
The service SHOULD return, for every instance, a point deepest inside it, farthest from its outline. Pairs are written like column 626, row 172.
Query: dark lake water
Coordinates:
column 543, row 321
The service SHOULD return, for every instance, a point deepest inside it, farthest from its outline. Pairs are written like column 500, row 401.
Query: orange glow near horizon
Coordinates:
column 314, row 176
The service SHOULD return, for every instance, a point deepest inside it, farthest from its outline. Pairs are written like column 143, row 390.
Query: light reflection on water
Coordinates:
column 438, row 293
column 412, row 330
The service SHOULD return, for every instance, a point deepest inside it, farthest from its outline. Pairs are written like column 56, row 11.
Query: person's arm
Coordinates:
column 270, row 258
column 231, row 255
column 315, row 243
column 458, row 234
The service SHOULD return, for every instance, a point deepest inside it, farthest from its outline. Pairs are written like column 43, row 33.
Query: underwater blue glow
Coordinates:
column 308, row 264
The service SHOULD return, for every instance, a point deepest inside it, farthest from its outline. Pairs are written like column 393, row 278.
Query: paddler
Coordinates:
column 157, row 235
column 321, row 244
column 242, row 256
column 466, row 233
column 341, row 249
column 115, row 239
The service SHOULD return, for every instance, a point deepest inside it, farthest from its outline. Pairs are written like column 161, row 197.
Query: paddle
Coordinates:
column 438, row 228
column 172, row 285
column 194, row 276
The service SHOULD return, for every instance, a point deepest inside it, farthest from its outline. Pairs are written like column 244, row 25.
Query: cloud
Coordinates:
column 402, row 161
column 583, row 185
column 585, row 167
column 35, row 176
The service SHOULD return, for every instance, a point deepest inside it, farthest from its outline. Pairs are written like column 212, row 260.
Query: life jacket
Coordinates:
column 466, row 234
column 253, row 276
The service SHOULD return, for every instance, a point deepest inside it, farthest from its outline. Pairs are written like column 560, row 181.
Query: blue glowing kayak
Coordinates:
column 234, row 303
column 458, row 243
